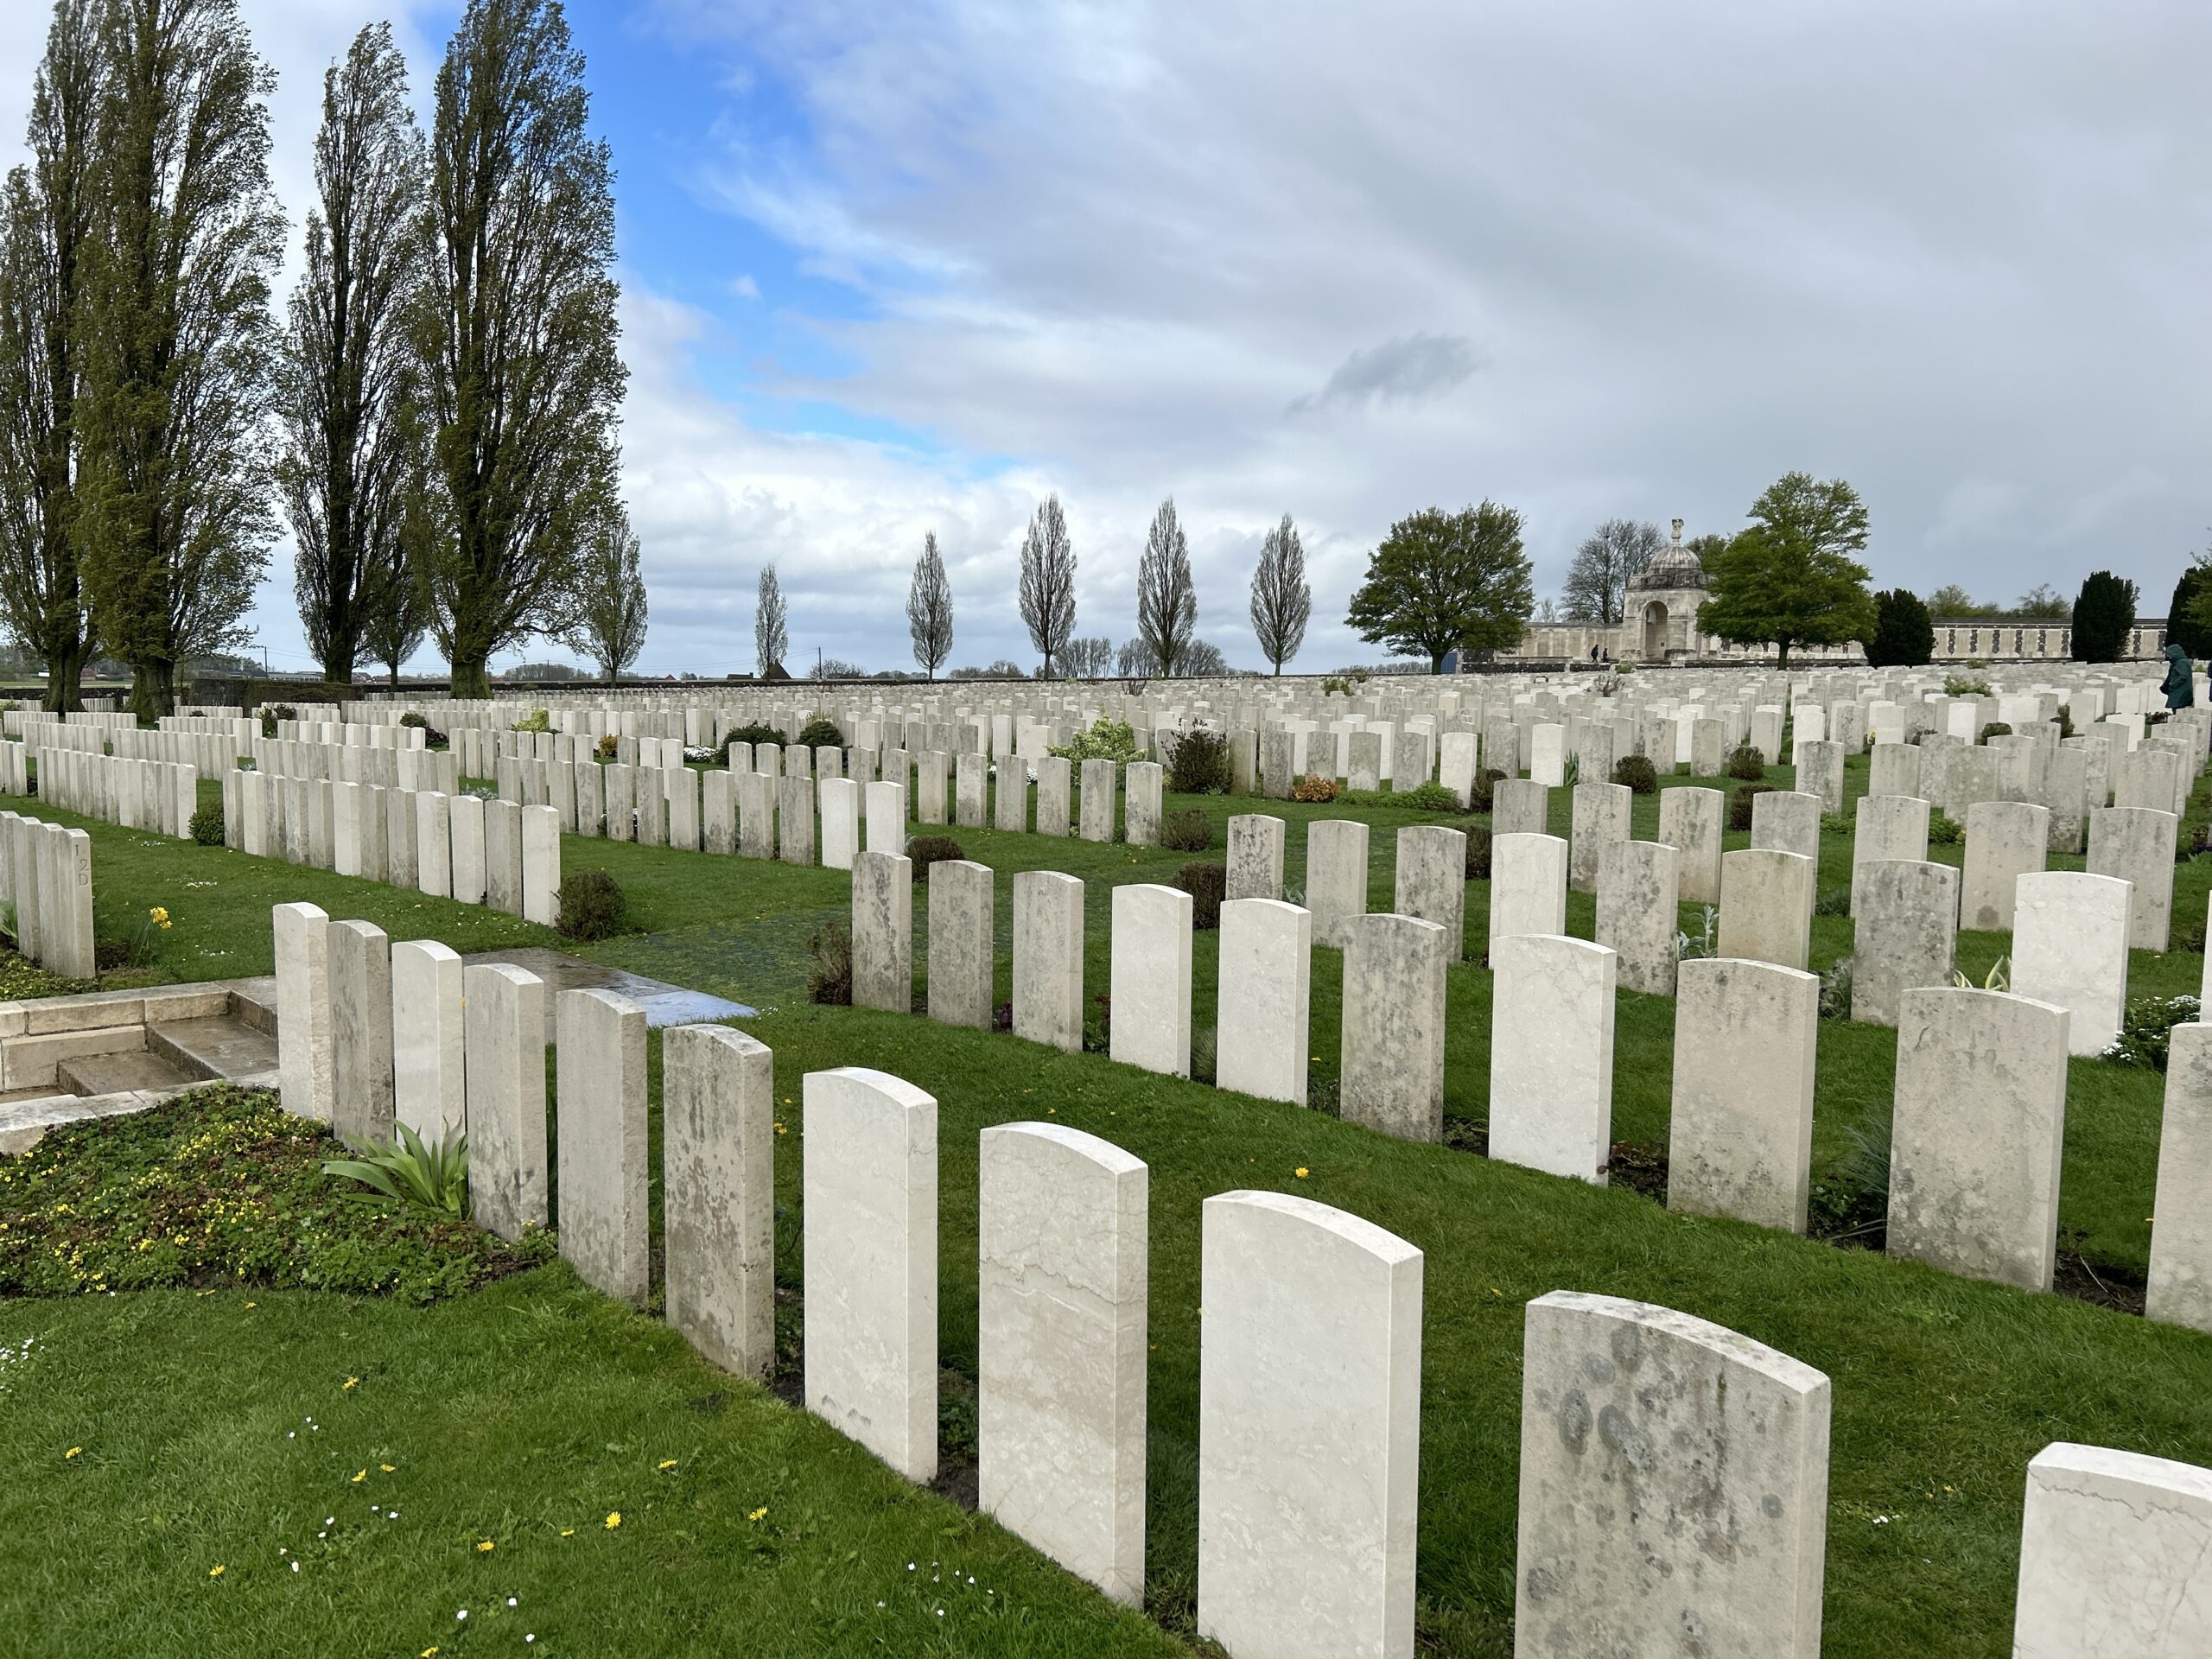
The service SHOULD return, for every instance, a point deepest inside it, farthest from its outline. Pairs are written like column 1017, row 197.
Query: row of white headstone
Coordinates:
column 1309, row 1363
column 159, row 796
column 46, row 875
column 460, row 847
column 1979, row 1117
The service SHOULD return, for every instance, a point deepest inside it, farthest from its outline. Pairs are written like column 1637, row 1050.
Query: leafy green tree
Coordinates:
column 522, row 377
column 1952, row 600
column 47, row 216
column 2104, row 612
column 1904, row 636
column 2189, row 619
column 1047, row 587
column 2042, row 603
column 1789, row 578
column 179, row 346
column 1443, row 581
column 351, row 445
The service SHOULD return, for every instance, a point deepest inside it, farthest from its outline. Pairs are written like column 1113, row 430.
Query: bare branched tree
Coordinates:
column 1282, row 603
column 47, row 215
column 610, row 627
column 1088, row 659
column 770, row 636
column 929, row 609
column 1597, row 581
column 394, row 629
column 179, row 346
column 1048, row 581
column 347, row 376
column 1167, row 603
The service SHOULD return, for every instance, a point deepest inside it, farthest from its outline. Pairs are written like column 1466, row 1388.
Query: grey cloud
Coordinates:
column 1410, row 369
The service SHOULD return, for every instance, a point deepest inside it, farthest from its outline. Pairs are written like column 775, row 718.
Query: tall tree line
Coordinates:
column 437, row 416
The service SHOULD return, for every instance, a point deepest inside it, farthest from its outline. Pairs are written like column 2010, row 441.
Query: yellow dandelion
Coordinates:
column 385, row 1467
column 215, row 1571
column 1301, row 1171
column 73, row 1451
column 614, row 1519
column 758, row 1515
column 350, row 1382
column 668, row 1463
column 358, row 1478
column 484, row 1549
column 567, row 1532
column 429, row 1653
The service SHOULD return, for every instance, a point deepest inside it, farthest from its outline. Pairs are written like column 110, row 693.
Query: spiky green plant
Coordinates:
column 432, row 1176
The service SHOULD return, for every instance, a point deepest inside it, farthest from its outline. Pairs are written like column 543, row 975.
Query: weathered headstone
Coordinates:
column 302, row 964
column 1766, row 905
column 1977, row 1129
column 358, row 955
column 1673, row 1487
column 2005, row 840
column 1906, row 935
column 1598, row 819
column 883, row 930
column 2115, row 1557
column 503, row 1026
column 1741, row 1133
column 718, row 1159
column 428, row 1067
column 1048, row 958
column 1637, row 903
column 1307, row 1472
column 2070, row 947
column 1551, row 1054
column 1255, row 849
column 2136, row 843
column 962, row 953
column 1336, row 878
column 603, row 1173
column 870, row 1219
column 1265, row 992
column 1431, row 881
column 1690, row 822
column 2181, row 1230
column 1392, row 1055
column 1061, row 1349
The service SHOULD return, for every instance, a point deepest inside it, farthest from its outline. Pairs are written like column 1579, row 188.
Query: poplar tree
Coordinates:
column 47, row 215
column 929, row 609
column 611, row 606
column 517, row 334
column 346, row 380
column 1048, row 591
column 1282, row 603
column 178, row 346
column 1167, row 603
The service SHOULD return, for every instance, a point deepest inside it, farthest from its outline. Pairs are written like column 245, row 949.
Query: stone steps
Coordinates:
column 91, row 1074
column 211, row 1049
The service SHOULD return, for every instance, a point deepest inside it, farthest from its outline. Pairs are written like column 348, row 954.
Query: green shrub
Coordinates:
column 1207, row 884
column 1745, row 763
column 754, row 735
column 1834, row 823
column 207, row 825
column 1428, row 797
column 1638, row 773
column 1739, row 803
column 1483, row 796
column 1835, row 901
column 537, row 720
column 1200, row 763
column 273, row 712
column 413, row 720
column 221, row 1185
column 821, row 733
column 1995, row 729
column 1477, row 834
column 1313, row 789
column 1835, row 987
column 591, row 905
column 2146, row 1030
column 922, row 851
column 1944, row 830
column 611, row 745
column 829, row 980
column 1957, row 685
column 1102, row 740
column 1188, row 830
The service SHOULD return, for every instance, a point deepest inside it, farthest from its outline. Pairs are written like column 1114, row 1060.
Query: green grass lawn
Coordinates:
column 530, row 1408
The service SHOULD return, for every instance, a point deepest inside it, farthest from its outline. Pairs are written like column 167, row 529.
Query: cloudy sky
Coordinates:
column 892, row 268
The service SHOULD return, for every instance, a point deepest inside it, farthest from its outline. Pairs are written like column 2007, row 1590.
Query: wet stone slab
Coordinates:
column 664, row 1004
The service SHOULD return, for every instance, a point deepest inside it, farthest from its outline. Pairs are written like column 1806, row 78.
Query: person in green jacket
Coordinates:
column 2180, row 692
